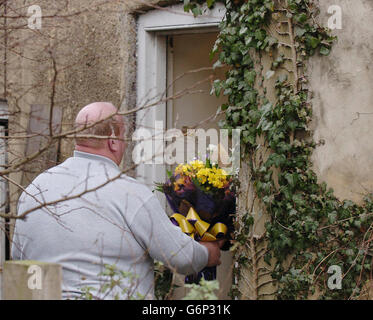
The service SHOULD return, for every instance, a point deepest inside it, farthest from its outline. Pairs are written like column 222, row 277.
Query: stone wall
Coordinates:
column 85, row 51
column 343, row 102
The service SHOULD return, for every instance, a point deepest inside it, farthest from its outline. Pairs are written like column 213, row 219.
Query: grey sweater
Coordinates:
column 105, row 218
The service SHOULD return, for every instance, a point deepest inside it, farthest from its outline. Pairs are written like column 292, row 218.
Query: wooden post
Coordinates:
column 32, row 280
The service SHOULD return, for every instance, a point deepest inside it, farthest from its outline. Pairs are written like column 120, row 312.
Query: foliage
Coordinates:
column 309, row 228
column 117, row 283
column 195, row 6
column 205, row 290
column 163, row 285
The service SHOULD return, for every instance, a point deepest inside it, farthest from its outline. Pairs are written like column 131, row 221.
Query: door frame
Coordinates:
column 153, row 29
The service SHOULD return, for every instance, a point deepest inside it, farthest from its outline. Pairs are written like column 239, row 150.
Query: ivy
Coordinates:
column 308, row 225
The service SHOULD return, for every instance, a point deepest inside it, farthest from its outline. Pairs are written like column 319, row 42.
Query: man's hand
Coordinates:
column 213, row 248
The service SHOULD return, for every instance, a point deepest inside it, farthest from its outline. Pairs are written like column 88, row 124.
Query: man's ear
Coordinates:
column 112, row 144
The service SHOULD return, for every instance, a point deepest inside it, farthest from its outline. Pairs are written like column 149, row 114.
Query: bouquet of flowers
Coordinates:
column 202, row 198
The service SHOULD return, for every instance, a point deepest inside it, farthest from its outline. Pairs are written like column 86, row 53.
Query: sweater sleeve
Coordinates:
column 166, row 242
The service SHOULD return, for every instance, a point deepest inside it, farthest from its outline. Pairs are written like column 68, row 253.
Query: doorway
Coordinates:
column 189, row 70
column 174, row 56
column 190, row 74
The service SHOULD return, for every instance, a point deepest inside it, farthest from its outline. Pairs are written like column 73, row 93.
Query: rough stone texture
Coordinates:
column 342, row 88
column 92, row 45
column 20, row 281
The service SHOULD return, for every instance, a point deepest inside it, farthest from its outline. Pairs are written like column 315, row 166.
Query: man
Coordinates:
column 85, row 214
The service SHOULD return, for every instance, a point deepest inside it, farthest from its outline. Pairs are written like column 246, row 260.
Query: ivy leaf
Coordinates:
column 249, row 76
column 325, row 51
column 187, row 5
column 267, row 258
column 271, row 41
column 313, row 42
column 300, row 18
column 254, row 115
column 224, row 106
column 217, row 86
column 293, row 124
column 248, row 40
column 265, row 124
column 349, row 233
column 290, row 179
column 196, row 11
column 285, row 240
column 243, row 30
column 260, row 34
column 350, row 252
column 270, row 5
column 247, row 60
column 332, row 217
column 247, row 137
column 217, row 64
column 357, row 223
column 266, row 109
column 227, row 92
column 229, row 81
column 299, row 32
column 236, row 117
column 210, row 3
column 250, row 220
column 250, row 96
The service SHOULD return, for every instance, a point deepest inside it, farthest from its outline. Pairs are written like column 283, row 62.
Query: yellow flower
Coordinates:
column 197, row 165
column 184, row 169
column 217, row 177
column 187, row 170
column 179, row 169
column 202, row 175
column 214, row 177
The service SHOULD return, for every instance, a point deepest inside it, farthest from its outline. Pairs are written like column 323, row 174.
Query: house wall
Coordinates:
column 93, row 46
column 342, row 88
column 341, row 85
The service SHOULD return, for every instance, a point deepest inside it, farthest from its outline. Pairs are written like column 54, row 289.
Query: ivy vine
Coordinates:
column 309, row 228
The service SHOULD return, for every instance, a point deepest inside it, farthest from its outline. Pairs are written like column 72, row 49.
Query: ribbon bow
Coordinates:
column 198, row 229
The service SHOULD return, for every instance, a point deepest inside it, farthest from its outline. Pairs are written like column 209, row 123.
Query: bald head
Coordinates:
column 100, row 120
column 95, row 112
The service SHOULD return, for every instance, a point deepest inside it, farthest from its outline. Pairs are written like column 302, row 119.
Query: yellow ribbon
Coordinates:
column 192, row 224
